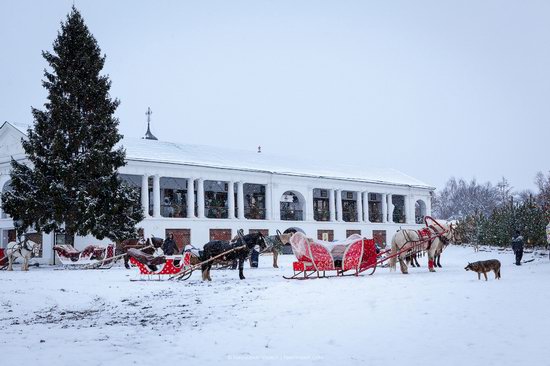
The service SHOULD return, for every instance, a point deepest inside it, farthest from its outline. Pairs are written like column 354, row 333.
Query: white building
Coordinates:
column 236, row 189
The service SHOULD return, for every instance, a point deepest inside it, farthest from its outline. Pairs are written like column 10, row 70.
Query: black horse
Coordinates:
column 217, row 247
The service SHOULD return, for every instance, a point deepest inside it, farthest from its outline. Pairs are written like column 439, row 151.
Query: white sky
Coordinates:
column 432, row 88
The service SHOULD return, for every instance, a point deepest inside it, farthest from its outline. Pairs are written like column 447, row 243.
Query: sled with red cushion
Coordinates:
column 171, row 265
column 92, row 256
column 316, row 257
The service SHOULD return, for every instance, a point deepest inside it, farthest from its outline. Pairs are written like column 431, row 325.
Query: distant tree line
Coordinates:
column 490, row 214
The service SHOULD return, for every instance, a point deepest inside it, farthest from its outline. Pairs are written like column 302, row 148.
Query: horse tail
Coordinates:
column 393, row 259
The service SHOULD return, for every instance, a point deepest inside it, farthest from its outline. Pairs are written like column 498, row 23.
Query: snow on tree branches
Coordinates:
column 71, row 184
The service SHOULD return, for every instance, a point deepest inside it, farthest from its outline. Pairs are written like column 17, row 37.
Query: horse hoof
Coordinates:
column 275, row 266
column 432, row 270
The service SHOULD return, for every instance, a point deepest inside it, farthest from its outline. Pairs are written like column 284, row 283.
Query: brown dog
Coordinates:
column 484, row 267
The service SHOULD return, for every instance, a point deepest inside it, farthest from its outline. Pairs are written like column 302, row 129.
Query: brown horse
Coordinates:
column 275, row 244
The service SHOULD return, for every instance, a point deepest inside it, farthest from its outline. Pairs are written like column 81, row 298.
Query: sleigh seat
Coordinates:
column 317, row 257
column 92, row 253
column 151, row 267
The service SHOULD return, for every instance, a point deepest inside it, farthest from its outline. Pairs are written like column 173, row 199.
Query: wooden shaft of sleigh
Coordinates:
column 114, row 258
column 192, row 268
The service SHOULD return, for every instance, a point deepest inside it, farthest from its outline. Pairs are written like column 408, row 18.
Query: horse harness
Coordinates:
column 23, row 245
column 426, row 233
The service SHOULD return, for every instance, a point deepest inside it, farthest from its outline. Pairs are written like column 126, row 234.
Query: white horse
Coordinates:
column 412, row 239
column 23, row 249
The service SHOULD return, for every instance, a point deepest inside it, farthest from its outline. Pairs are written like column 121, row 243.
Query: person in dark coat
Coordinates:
column 517, row 247
column 169, row 246
column 255, row 257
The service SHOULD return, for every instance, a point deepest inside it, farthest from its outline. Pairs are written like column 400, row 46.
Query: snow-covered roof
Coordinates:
column 227, row 158
column 21, row 127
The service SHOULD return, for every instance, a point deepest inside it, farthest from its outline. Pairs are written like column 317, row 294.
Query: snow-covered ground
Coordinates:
column 100, row 317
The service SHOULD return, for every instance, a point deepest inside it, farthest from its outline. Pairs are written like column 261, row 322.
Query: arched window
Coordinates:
column 419, row 211
column 292, row 206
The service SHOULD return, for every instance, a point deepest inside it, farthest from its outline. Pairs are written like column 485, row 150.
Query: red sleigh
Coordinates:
column 173, row 265
column 348, row 257
column 93, row 256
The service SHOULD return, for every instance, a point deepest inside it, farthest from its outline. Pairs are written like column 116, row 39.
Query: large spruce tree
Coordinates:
column 72, row 184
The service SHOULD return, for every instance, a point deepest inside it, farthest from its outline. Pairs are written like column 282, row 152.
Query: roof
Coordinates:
column 227, row 158
column 21, row 127
column 247, row 160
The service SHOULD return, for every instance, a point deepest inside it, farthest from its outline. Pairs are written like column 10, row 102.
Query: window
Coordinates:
column 291, row 205
column 173, row 197
column 321, row 206
column 375, row 207
column 254, row 201
column 215, row 199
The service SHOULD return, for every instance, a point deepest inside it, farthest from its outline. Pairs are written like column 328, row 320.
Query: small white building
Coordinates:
column 201, row 193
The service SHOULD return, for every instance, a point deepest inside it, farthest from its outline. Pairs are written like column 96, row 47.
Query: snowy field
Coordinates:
column 99, row 317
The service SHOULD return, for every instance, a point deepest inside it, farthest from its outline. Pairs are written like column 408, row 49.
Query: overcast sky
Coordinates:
column 432, row 88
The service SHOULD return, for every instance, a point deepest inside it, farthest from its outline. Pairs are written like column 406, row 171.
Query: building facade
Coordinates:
column 202, row 193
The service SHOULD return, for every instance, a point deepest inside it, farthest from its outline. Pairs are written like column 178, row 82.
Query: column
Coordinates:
column 240, row 200
column 411, row 218
column 47, row 247
column 331, row 205
column 428, row 200
column 339, row 216
column 309, row 209
column 0, row 203
column 145, row 194
column 366, row 207
column 359, row 206
column 390, row 207
column 200, row 198
column 231, row 199
column 156, row 195
column 384, row 208
column 268, row 204
column 191, row 198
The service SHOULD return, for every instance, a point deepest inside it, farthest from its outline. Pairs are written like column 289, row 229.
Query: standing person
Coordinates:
column 517, row 247
column 255, row 257
column 169, row 246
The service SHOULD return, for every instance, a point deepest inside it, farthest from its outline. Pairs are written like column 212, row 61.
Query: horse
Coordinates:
column 145, row 245
column 412, row 258
column 440, row 243
column 408, row 236
column 217, row 247
column 275, row 244
column 23, row 249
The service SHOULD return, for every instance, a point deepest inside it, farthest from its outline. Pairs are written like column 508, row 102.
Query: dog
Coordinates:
column 484, row 267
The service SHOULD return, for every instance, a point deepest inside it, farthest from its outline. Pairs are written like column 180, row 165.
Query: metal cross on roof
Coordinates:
column 148, row 134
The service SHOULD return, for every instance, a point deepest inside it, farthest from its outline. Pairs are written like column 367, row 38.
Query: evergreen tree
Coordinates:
column 72, row 184
column 543, row 197
column 531, row 222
